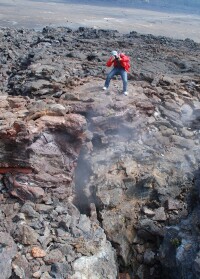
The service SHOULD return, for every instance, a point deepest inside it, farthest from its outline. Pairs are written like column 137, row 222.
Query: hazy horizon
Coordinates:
column 143, row 18
column 178, row 6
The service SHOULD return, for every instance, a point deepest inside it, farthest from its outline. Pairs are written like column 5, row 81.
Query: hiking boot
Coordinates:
column 104, row 88
column 125, row 93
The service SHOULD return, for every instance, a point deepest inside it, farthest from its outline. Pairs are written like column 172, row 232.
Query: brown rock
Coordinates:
column 16, row 102
column 74, row 123
column 37, row 252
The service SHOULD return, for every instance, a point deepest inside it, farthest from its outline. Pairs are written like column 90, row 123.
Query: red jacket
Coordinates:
column 124, row 61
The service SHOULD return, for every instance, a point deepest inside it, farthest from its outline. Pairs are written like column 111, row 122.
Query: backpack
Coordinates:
column 126, row 62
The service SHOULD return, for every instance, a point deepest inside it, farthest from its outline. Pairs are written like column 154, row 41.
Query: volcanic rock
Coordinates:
column 37, row 252
column 96, row 184
column 8, row 252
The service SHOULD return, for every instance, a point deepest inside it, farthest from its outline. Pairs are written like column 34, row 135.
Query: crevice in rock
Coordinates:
column 82, row 175
column 122, row 267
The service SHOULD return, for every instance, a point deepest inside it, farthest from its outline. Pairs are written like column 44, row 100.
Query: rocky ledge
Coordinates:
column 96, row 184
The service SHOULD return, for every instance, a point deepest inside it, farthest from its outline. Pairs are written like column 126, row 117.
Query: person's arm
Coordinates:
column 110, row 61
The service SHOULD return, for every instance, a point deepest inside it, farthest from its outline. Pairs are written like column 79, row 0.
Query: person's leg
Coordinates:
column 110, row 76
column 124, row 77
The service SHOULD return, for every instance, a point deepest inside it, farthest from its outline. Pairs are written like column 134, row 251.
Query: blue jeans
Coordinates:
column 117, row 71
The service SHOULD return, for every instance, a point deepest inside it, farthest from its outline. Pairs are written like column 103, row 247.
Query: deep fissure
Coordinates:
column 83, row 201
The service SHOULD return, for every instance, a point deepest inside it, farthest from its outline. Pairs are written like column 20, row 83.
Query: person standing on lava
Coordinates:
column 121, row 66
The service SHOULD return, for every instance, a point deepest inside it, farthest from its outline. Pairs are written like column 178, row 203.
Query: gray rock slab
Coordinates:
column 8, row 250
column 160, row 214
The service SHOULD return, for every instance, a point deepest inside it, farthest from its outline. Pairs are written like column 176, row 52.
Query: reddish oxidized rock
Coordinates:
column 37, row 252
column 15, row 170
column 20, row 189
